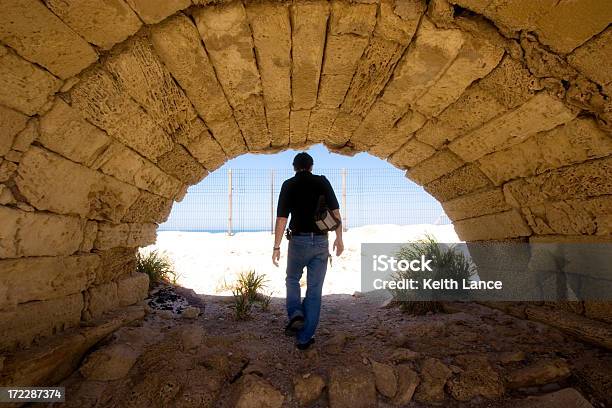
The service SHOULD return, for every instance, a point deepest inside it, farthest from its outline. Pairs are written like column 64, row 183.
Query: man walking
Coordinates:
column 308, row 246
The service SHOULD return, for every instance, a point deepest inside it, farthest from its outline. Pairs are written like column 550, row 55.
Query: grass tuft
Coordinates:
column 158, row 266
column 247, row 291
column 447, row 263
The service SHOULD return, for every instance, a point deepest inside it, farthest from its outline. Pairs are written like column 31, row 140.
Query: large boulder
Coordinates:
column 255, row 392
column 308, row 388
column 351, row 387
column 539, row 373
column 434, row 375
column 109, row 363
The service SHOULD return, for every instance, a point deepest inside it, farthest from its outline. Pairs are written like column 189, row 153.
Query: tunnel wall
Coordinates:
column 110, row 110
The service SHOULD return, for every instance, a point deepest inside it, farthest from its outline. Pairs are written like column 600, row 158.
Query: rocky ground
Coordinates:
column 365, row 356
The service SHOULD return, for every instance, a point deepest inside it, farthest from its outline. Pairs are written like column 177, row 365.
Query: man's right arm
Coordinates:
column 338, row 243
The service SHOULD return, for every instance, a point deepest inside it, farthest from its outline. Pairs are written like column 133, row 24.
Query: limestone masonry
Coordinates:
column 501, row 109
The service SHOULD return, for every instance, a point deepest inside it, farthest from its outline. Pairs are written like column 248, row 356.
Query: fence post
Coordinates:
column 229, row 201
column 344, row 213
column 272, row 201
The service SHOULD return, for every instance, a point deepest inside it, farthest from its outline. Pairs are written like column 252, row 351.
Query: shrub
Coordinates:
column 251, row 284
column 242, row 303
column 248, row 290
column 158, row 266
column 447, row 263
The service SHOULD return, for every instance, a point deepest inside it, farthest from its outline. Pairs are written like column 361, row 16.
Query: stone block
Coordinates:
column 474, row 108
column 140, row 72
column 279, row 126
column 29, row 321
column 510, row 83
column 99, row 300
column 398, row 20
column 572, row 217
column 40, row 36
column 179, row 46
column 133, row 289
column 475, row 60
column 508, row 224
column 129, row 235
column 103, row 103
column 350, row 28
column 343, row 128
column 464, row 180
column 298, row 126
column 15, row 73
column 38, row 234
column 589, row 179
column 114, row 263
column 154, row 11
column 570, row 24
column 44, row 278
column 427, row 59
column 411, row 153
column 593, row 58
column 272, row 39
column 320, row 122
column 201, row 145
column 180, row 164
column 59, row 356
column 309, row 26
column 380, row 120
column 391, row 140
column 64, row 131
column 128, row 166
column 11, row 123
column 542, row 112
column 53, row 183
column 514, row 15
column 149, row 208
column 227, row 36
column 475, row 205
column 25, row 138
column 251, row 118
column 371, row 75
column 102, row 23
column 441, row 163
column 356, row 18
column 575, row 142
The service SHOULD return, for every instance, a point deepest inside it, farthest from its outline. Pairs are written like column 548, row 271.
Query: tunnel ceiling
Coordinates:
column 109, row 110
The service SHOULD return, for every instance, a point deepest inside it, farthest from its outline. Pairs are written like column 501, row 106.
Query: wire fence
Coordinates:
column 238, row 200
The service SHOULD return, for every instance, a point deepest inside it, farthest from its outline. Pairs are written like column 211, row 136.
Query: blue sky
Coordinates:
column 323, row 158
column 376, row 193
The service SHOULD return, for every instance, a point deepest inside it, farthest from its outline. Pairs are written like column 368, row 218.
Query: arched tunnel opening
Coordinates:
column 110, row 110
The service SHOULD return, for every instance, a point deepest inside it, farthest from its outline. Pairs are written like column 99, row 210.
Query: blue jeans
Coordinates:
column 312, row 252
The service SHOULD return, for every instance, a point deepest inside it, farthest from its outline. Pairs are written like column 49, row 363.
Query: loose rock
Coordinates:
column 386, row 379
column 109, row 363
column 408, row 381
column 433, row 375
column 538, row 373
column 308, row 388
column 351, row 387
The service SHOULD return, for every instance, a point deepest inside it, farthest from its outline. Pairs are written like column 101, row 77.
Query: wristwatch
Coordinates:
column 275, row 248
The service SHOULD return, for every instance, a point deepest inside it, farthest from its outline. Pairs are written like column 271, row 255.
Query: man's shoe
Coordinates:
column 305, row 346
column 294, row 326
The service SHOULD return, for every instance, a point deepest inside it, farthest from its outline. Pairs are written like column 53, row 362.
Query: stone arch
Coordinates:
column 109, row 112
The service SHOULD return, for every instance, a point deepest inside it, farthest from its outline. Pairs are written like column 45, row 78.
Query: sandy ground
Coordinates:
column 209, row 262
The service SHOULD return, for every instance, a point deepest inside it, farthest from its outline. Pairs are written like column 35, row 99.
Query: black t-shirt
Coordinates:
column 299, row 196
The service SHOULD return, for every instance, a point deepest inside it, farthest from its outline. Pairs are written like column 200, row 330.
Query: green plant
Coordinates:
column 446, row 263
column 242, row 303
column 158, row 266
column 264, row 301
column 251, row 283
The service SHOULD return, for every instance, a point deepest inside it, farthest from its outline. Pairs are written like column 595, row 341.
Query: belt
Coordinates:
column 308, row 234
